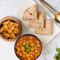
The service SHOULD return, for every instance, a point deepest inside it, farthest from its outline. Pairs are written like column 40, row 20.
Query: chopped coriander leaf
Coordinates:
column 57, row 49
column 57, row 56
column 27, row 50
column 29, row 47
column 26, row 45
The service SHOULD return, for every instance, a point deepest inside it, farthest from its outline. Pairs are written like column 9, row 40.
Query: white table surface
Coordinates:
column 8, row 8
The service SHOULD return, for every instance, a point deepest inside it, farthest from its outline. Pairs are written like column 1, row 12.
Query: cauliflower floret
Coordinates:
column 5, row 28
column 1, row 30
column 12, row 35
column 16, row 31
column 6, row 23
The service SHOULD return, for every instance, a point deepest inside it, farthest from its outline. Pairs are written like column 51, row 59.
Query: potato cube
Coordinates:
column 12, row 35
column 3, row 33
column 10, row 25
column 7, row 22
column 1, row 30
column 16, row 25
column 6, row 35
column 9, row 31
column 16, row 31
column 5, row 28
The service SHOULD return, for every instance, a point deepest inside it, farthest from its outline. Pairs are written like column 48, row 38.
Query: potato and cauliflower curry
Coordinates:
column 9, row 29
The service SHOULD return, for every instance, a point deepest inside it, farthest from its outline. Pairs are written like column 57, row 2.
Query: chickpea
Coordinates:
column 31, row 56
column 20, row 42
column 18, row 49
column 32, row 49
column 38, row 45
column 36, row 51
column 38, row 54
column 27, row 55
column 31, row 44
column 24, row 43
column 29, row 59
column 24, row 52
column 31, row 37
column 17, row 52
column 17, row 44
column 27, row 42
column 37, row 41
column 30, row 41
column 20, row 54
column 22, row 48
column 30, row 52
column 23, row 56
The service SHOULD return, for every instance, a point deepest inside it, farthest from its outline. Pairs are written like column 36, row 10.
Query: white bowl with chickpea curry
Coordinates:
column 28, row 47
column 10, row 28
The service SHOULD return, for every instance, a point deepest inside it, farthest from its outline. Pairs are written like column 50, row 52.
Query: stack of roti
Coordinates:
column 37, row 20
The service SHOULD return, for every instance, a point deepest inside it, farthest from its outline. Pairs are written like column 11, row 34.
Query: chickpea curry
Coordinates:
column 28, row 47
column 9, row 29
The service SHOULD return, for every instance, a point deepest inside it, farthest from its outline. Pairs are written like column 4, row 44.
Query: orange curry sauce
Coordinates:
column 31, row 41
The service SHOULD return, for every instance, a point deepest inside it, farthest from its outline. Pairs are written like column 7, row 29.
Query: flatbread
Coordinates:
column 49, row 26
column 47, row 30
column 39, row 22
column 30, row 13
column 40, row 30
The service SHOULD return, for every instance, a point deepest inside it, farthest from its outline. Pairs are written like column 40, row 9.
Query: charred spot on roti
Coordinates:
column 39, row 27
column 26, row 17
column 30, row 18
column 34, row 18
column 28, row 8
column 30, row 13
column 38, row 22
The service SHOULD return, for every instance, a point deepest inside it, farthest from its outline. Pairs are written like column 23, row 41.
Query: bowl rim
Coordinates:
column 25, row 35
column 16, row 20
